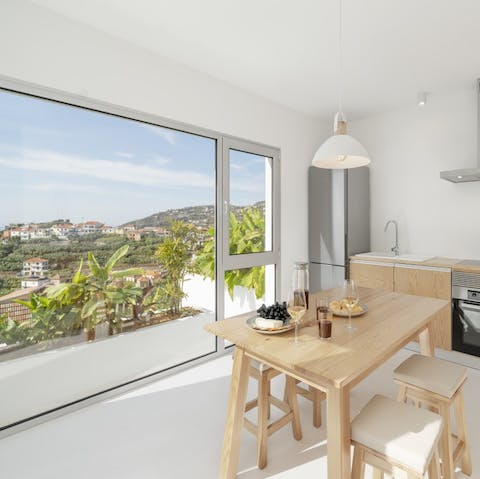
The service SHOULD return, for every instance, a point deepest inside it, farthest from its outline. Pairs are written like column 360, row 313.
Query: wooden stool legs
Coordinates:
column 381, row 465
column 358, row 466
column 314, row 395
column 446, row 443
column 466, row 461
column 290, row 386
column 263, row 407
column 318, row 397
column 454, row 448
column 263, row 429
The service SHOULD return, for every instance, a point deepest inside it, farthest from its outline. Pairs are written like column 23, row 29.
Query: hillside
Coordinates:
column 198, row 215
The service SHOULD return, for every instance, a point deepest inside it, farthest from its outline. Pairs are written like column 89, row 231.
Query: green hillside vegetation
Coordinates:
column 97, row 286
column 64, row 256
column 198, row 215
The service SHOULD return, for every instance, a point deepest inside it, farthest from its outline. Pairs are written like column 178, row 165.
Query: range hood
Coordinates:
column 467, row 174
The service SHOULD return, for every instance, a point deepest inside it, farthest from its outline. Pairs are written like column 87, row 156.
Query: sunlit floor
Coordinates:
column 173, row 429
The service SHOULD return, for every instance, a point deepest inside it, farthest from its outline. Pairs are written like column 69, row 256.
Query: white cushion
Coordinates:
column 432, row 374
column 258, row 365
column 402, row 433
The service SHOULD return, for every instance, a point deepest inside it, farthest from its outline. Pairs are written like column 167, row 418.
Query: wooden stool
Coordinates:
column 262, row 430
column 314, row 395
column 396, row 439
column 438, row 385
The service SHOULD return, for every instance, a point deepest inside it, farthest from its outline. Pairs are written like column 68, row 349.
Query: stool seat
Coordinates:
column 258, row 365
column 402, row 433
column 432, row 374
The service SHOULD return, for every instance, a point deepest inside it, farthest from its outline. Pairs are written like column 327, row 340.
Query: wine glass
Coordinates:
column 350, row 300
column 296, row 307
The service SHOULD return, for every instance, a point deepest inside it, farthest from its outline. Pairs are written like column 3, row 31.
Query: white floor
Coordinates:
column 173, row 429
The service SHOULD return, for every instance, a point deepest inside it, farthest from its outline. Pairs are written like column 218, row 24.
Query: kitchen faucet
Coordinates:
column 395, row 249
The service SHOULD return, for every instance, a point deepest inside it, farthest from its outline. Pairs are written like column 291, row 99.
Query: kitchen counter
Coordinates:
column 429, row 278
column 467, row 268
column 437, row 261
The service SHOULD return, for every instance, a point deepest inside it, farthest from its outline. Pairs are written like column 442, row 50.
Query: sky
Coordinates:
column 59, row 161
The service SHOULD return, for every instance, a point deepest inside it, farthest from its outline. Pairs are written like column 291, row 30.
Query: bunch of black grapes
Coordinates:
column 275, row 311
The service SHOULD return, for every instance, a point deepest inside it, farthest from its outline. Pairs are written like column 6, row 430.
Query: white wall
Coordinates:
column 409, row 147
column 43, row 48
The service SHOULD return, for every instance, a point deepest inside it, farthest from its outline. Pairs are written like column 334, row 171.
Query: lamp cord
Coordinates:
column 340, row 58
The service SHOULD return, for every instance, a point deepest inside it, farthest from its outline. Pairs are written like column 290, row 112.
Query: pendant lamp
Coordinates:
column 340, row 151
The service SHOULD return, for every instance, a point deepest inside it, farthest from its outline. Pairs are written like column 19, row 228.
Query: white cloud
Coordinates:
column 168, row 135
column 236, row 166
column 64, row 187
column 247, row 186
column 124, row 154
column 162, row 160
column 117, row 171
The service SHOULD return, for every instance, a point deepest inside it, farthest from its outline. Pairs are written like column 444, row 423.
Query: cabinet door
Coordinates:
column 371, row 274
column 434, row 283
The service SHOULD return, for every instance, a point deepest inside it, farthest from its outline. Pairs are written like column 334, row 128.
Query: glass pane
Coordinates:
column 105, row 221
column 248, row 288
column 250, row 211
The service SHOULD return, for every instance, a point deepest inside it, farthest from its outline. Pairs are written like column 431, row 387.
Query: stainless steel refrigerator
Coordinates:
column 339, row 222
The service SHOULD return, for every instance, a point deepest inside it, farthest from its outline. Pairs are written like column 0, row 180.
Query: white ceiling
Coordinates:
column 286, row 50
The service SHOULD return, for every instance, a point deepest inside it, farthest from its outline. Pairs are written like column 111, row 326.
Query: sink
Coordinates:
column 375, row 255
column 414, row 257
column 389, row 255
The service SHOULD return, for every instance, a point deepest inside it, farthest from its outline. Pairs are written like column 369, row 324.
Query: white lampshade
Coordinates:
column 341, row 151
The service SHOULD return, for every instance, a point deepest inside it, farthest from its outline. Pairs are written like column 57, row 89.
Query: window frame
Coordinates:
column 224, row 261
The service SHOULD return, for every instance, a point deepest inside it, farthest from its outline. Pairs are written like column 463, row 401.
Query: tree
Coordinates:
column 175, row 256
column 11, row 332
column 50, row 320
column 247, row 235
column 99, row 294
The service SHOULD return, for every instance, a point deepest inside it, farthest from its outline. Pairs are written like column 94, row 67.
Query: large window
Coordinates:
column 116, row 228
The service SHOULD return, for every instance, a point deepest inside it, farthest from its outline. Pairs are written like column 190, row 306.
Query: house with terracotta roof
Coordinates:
column 63, row 230
column 35, row 267
column 89, row 227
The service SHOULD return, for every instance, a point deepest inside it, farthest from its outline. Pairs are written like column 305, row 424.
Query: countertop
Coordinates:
column 437, row 261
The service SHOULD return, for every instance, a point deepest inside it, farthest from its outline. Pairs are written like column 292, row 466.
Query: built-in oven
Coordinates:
column 466, row 312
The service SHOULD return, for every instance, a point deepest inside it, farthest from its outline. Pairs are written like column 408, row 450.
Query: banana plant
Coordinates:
column 50, row 320
column 247, row 235
column 99, row 293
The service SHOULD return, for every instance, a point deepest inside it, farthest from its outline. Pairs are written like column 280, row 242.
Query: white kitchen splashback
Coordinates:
column 408, row 147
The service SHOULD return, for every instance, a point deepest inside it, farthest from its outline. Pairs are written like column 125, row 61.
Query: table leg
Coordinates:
column 338, row 433
column 235, row 413
column 425, row 338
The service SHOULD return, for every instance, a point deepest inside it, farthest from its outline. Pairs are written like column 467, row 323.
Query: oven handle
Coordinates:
column 467, row 307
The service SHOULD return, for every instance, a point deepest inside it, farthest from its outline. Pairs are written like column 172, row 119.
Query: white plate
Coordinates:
column 345, row 315
column 251, row 324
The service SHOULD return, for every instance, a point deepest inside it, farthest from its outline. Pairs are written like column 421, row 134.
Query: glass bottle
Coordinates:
column 301, row 279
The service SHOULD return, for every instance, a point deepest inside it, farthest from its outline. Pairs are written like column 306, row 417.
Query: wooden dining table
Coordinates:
column 333, row 366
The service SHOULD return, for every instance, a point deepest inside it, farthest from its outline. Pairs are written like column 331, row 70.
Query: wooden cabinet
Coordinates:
column 372, row 275
column 432, row 282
